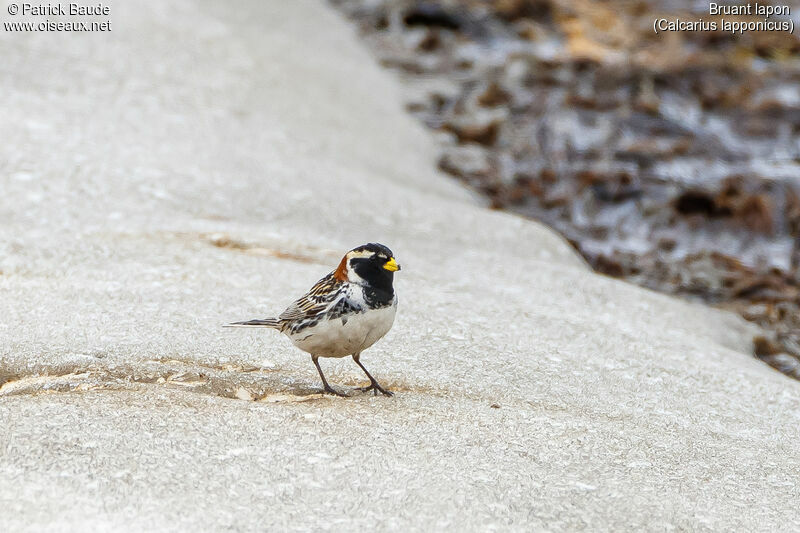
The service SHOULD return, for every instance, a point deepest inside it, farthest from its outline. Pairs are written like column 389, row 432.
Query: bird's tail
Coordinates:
column 265, row 323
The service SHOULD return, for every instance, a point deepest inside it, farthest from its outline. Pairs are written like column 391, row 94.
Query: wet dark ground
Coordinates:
column 669, row 160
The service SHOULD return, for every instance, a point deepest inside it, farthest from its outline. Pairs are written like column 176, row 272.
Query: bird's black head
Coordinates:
column 371, row 264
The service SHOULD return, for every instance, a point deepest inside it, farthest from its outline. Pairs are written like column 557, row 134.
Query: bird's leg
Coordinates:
column 328, row 388
column 374, row 385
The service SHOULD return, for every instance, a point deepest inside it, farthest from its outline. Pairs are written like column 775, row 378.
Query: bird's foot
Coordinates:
column 330, row 390
column 375, row 388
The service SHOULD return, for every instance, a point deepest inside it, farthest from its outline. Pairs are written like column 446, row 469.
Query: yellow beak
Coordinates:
column 391, row 265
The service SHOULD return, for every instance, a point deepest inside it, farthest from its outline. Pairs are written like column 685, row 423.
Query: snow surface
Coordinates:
column 207, row 162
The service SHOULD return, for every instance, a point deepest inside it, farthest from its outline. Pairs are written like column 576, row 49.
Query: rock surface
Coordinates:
column 203, row 163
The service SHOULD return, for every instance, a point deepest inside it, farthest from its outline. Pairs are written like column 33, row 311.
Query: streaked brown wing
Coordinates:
column 314, row 302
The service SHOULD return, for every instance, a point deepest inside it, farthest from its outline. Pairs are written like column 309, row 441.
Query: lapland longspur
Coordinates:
column 345, row 312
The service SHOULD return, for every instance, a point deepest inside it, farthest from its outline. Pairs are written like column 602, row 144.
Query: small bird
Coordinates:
column 345, row 312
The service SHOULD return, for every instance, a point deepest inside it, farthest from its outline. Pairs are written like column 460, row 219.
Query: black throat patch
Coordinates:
column 378, row 290
column 377, row 298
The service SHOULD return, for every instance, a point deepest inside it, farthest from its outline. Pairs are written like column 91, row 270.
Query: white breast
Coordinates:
column 346, row 335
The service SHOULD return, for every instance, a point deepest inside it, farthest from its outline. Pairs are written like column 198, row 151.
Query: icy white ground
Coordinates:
column 204, row 163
